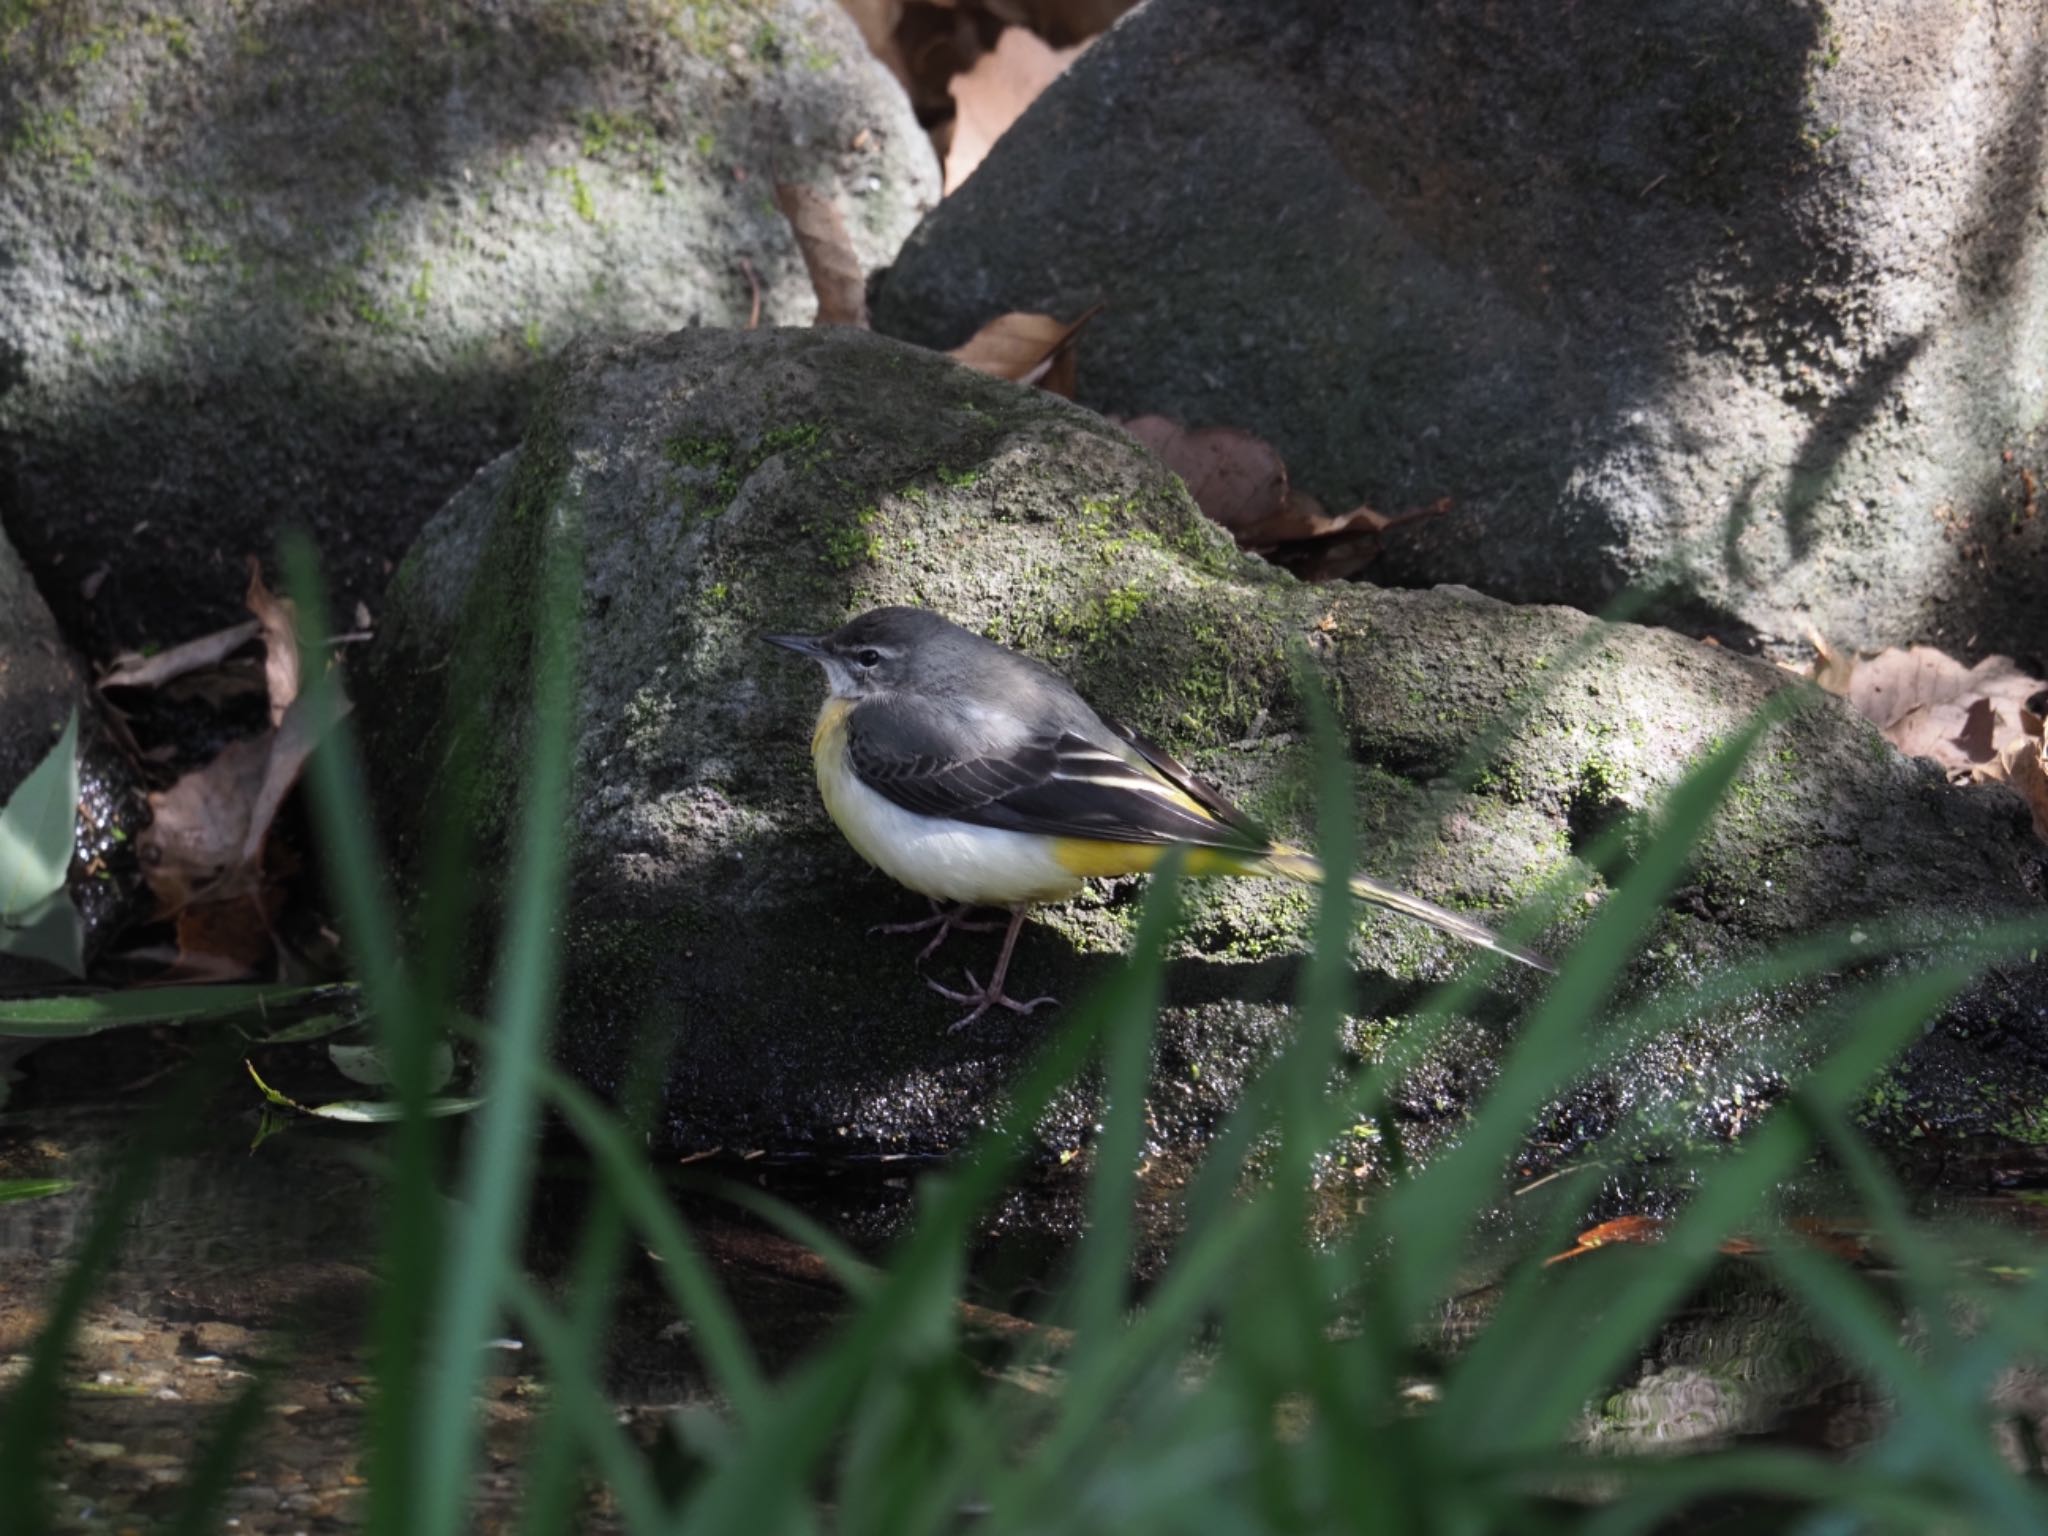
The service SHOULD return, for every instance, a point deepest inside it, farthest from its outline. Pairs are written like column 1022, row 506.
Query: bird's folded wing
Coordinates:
column 1059, row 783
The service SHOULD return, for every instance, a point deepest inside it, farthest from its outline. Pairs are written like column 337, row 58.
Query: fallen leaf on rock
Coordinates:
column 1240, row 481
column 1928, row 704
column 1887, row 687
column 1237, row 479
column 828, row 254
column 1026, row 349
column 993, row 93
column 1842, row 1241
column 132, row 671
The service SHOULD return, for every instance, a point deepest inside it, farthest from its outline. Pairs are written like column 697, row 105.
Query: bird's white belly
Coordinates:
column 947, row 860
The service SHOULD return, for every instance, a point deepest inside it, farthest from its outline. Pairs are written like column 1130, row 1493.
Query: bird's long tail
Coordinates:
column 1292, row 864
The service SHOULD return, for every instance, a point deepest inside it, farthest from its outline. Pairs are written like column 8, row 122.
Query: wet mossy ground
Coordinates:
column 733, row 485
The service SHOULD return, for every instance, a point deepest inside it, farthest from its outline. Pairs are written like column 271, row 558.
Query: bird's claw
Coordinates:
column 983, row 998
column 946, row 920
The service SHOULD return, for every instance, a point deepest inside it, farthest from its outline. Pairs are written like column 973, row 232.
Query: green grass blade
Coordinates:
column 29, row 1415
column 1513, row 1397
column 583, row 1412
column 1956, row 1428
column 63, row 1016
column 482, row 1262
column 1432, row 1210
column 765, row 1478
column 689, row 1280
column 410, row 1242
column 1099, row 1288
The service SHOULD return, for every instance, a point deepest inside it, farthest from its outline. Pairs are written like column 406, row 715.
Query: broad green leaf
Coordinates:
column 36, row 828
column 51, row 931
column 63, row 1016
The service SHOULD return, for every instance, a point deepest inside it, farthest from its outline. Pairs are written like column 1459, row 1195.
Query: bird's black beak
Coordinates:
column 803, row 645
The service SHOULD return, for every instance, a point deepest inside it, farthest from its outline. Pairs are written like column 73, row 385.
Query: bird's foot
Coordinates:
column 984, row 998
column 943, row 918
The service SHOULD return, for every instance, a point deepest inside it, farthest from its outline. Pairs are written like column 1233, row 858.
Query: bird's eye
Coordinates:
column 869, row 658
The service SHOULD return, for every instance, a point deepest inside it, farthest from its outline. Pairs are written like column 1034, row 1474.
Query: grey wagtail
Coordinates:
column 978, row 776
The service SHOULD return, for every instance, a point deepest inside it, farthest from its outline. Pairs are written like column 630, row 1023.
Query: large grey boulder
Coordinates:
column 727, row 486
column 1746, row 304
column 285, row 262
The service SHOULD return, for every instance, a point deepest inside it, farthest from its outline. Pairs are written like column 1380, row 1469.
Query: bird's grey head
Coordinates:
column 889, row 650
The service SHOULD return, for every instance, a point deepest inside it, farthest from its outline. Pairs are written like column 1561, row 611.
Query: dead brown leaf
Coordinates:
column 1237, row 479
column 132, row 671
column 2022, row 767
column 828, row 254
column 1026, row 349
column 279, row 618
column 1887, row 687
column 1240, row 481
column 205, row 840
column 193, row 844
column 1834, row 668
column 1928, row 704
column 993, row 93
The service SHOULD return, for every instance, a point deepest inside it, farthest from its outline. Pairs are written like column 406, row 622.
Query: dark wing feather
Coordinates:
column 1056, row 783
column 1191, row 784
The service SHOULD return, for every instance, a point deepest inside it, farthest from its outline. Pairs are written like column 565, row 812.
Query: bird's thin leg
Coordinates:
column 945, row 919
column 990, row 996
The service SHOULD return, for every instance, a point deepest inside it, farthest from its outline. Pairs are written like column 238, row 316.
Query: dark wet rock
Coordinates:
column 732, row 485
column 41, row 684
column 291, row 263
column 1746, row 304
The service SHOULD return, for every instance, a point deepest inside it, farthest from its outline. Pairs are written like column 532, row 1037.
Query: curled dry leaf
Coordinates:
column 993, row 93
column 828, row 254
column 192, row 847
column 132, row 671
column 279, row 618
column 1026, row 349
column 203, row 852
column 1928, row 704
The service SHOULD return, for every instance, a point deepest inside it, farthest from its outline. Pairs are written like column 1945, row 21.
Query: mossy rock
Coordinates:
column 276, row 264
column 731, row 485
column 1745, row 304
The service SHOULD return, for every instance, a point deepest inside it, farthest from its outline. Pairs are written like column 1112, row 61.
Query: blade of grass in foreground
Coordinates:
column 715, row 1328
column 497, row 1166
column 1517, row 1388
column 769, row 1473
column 1428, row 1216
column 410, row 1240
column 1099, row 1289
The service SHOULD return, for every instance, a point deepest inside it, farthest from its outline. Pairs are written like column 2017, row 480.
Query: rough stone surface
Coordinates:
column 732, row 485
column 1742, row 304
column 41, row 683
column 285, row 262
